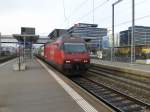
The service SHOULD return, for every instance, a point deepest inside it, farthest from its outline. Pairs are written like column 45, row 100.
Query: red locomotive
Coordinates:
column 68, row 53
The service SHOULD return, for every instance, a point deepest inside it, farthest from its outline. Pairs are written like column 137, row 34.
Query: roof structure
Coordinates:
column 31, row 38
column 57, row 33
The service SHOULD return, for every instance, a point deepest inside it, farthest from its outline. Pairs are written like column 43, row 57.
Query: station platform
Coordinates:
column 129, row 66
column 35, row 90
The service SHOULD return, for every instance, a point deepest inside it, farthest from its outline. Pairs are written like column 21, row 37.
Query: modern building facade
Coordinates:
column 125, row 38
column 57, row 33
column 90, row 32
column 142, row 36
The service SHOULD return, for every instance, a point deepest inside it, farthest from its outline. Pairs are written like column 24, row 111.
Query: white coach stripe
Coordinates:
column 79, row 100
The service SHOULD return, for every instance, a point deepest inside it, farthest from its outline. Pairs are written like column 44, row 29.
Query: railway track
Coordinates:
column 138, row 81
column 132, row 83
column 115, row 99
column 145, row 79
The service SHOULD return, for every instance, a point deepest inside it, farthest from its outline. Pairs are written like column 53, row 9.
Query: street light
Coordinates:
column 112, row 49
column 133, row 29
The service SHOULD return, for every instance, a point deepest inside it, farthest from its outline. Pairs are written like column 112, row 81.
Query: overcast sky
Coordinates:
column 46, row 15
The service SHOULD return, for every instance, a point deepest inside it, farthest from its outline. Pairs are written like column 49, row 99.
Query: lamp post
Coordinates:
column 132, row 37
column 24, row 53
column 112, row 48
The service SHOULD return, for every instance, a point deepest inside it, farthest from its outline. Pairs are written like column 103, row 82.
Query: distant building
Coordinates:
column 125, row 38
column 87, row 31
column 90, row 32
column 105, row 42
column 142, row 36
column 57, row 33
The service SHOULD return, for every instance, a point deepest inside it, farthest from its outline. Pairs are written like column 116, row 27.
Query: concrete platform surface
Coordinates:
column 139, row 67
column 33, row 90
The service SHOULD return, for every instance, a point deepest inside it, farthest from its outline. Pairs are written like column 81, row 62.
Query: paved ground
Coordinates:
column 33, row 90
column 123, row 65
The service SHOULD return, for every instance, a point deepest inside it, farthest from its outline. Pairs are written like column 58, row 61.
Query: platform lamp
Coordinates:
column 112, row 48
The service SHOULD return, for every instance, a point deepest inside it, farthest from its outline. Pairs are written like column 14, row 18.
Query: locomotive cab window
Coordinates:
column 74, row 47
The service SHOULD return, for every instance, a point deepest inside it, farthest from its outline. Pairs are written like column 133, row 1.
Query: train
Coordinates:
column 68, row 54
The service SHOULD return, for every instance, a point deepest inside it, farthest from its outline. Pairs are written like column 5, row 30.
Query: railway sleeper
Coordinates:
column 131, row 109
column 125, row 75
column 127, row 81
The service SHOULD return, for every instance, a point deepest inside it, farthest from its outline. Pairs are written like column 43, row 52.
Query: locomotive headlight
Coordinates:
column 67, row 61
column 85, row 61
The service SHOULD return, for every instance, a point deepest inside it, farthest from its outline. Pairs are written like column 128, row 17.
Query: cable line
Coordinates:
column 64, row 10
column 136, row 19
column 91, row 11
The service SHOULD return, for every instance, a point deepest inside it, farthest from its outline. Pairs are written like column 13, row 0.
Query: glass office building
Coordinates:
column 89, row 32
column 142, row 36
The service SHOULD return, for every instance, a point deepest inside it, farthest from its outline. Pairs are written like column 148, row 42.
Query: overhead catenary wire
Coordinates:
column 77, row 8
column 91, row 11
column 64, row 12
column 141, row 2
column 136, row 19
column 129, row 21
column 101, row 5
column 127, row 9
column 64, row 9
column 104, row 18
column 73, row 12
column 109, row 17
